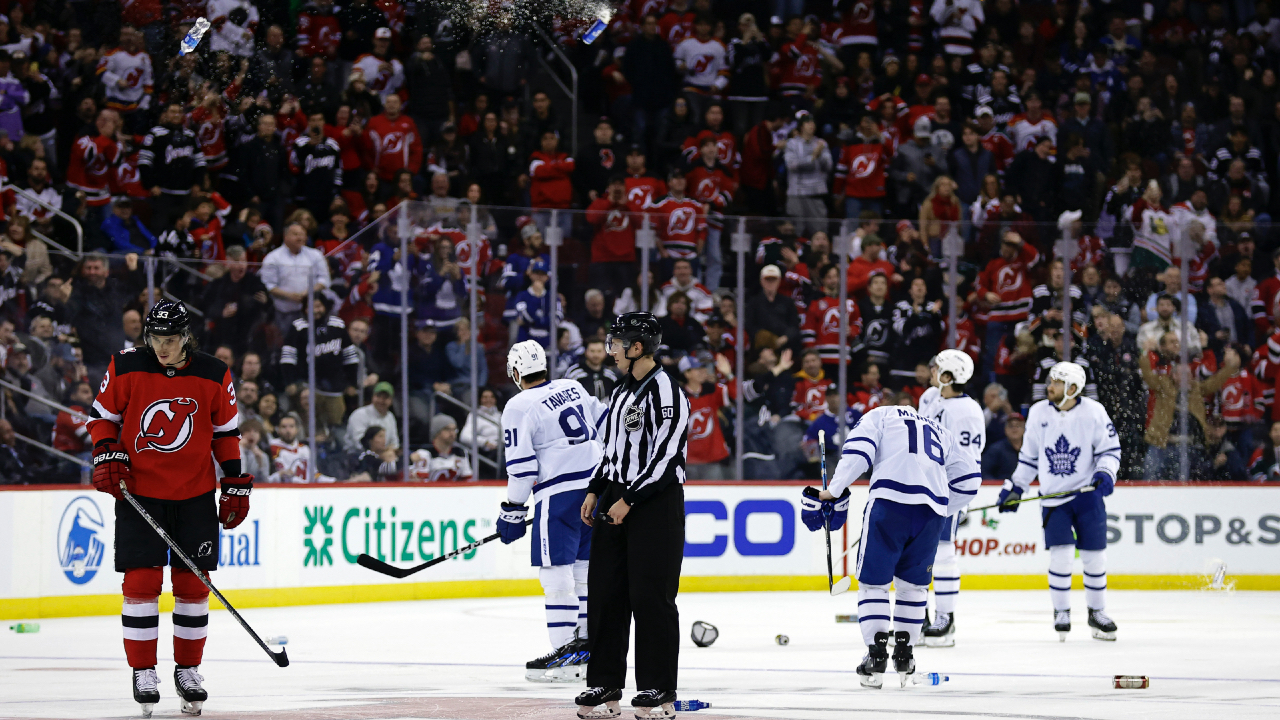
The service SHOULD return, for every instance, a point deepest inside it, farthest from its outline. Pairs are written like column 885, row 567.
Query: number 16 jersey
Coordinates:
column 551, row 437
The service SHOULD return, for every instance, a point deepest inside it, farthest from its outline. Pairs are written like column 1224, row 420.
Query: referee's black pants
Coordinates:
column 635, row 569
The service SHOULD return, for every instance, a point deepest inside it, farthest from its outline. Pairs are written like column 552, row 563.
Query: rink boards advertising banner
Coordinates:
column 300, row 544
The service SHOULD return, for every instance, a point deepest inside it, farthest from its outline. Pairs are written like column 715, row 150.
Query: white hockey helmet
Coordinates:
column 1070, row 374
column 525, row 358
column 956, row 362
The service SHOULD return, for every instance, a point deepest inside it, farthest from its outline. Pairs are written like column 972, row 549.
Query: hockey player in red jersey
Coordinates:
column 161, row 409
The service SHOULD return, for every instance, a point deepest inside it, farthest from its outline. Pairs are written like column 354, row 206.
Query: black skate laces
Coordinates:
column 146, row 680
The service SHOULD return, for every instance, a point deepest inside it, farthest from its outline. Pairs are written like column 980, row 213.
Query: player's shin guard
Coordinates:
column 946, row 578
column 561, row 603
column 1095, row 578
column 580, row 587
column 1060, row 561
column 873, row 611
column 190, row 618
column 140, row 615
column 909, row 602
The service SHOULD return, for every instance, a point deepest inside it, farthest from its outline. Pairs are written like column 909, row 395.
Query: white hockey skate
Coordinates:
column 1102, row 626
column 875, row 662
column 942, row 633
column 590, row 702
column 1062, row 623
column 146, row 689
column 654, row 704
column 187, row 680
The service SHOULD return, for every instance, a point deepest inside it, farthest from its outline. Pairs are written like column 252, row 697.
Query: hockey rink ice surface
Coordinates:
column 1209, row 655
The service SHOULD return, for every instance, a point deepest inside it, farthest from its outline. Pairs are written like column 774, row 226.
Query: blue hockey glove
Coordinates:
column 511, row 522
column 1009, row 494
column 811, row 509
column 1104, row 483
column 837, row 511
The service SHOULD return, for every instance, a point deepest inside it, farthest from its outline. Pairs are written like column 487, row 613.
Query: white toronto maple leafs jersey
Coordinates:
column 914, row 461
column 1065, row 448
column 551, row 439
column 961, row 416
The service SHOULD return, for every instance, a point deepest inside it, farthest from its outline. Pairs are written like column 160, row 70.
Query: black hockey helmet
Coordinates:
column 633, row 327
column 168, row 318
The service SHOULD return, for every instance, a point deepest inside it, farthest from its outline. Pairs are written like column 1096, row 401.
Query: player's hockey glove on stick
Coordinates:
column 811, row 509
column 1010, row 494
column 837, row 511
column 1104, row 483
column 511, row 522
column 233, row 504
column 110, row 467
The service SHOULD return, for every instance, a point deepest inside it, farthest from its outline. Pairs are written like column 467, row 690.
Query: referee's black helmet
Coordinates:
column 633, row 327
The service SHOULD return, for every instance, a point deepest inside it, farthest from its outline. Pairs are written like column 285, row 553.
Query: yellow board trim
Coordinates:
column 85, row 605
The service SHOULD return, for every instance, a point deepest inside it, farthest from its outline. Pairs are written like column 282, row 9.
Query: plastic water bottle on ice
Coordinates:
column 192, row 39
column 691, row 705
column 929, row 678
column 25, row 628
column 278, row 640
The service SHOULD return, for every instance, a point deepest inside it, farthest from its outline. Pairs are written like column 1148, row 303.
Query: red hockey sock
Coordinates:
column 140, row 615
column 190, row 617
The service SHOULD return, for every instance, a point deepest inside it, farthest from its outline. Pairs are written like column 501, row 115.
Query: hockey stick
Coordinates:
column 377, row 565
column 279, row 658
column 834, row 587
column 1088, row 488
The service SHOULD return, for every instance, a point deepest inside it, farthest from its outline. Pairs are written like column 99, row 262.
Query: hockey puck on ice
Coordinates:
column 782, row 640
column 1131, row 682
column 703, row 634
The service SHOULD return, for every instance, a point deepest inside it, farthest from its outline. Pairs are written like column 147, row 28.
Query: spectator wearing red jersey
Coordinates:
column 551, row 183
column 681, row 223
column 860, row 171
column 867, row 394
column 1003, row 291
column 613, row 248
column 869, row 262
column 992, row 139
column 319, row 33
column 394, row 142
column 707, row 446
column 712, row 184
column 759, row 160
column 727, row 151
column 92, row 161
column 808, row 400
column 643, row 189
column 799, row 64
column 71, row 433
column 820, row 328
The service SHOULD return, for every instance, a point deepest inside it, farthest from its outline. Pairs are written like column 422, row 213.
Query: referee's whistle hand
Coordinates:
column 619, row 511
column 589, row 509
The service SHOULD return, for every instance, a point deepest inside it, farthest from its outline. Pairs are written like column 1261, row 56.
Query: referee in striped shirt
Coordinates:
column 635, row 505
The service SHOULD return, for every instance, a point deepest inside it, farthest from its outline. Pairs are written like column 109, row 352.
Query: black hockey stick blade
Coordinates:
column 281, row 658
column 376, row 565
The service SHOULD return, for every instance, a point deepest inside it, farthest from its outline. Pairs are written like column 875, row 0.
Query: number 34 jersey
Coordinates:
column 914, row 461
column 551, row 435
column 168, row 420
column 961, row 416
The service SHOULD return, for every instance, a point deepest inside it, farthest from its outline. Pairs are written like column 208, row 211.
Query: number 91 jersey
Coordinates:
column 168, row 420
column 551, row 436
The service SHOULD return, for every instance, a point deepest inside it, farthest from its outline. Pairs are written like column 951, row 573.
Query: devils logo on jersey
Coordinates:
column 393, row 142
column 166, row 425
column 700, row 423
column 1008, row 278
column 681, row 221
column 864, row 165
column 606, row 158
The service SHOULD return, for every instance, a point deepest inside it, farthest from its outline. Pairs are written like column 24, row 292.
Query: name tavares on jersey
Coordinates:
column 561, row 398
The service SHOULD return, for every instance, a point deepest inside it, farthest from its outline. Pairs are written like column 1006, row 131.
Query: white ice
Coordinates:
column 1209, row 655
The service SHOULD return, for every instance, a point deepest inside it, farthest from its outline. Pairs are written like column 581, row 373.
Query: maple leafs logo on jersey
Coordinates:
column 1062, row 457
column 167, row 425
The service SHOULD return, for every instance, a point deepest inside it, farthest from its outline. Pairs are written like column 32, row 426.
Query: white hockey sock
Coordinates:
column 1095, row 578
column 1061, row 558
column 580, row 586
column 909, row 602
column 561, row 603
column 946, row 578
column 873, row 611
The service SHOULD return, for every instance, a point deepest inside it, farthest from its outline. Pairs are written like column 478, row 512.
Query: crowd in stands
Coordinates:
column 991, row 162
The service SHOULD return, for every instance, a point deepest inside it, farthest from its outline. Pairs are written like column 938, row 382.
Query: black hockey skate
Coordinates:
column 146, row 689
column 904, row 660
column 942, row 633
column 1103, row 627
column 567, row 663
column 876, row 661
column 654, row 704
column 1062, row 623
column 590, row 701
column 187, row 679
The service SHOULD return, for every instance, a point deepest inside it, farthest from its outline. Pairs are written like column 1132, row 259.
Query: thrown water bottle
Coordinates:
column 929, row 678
column 196, row 32
column 594, row 31
column 691, row 705
column 25, row 628
column 278, row 640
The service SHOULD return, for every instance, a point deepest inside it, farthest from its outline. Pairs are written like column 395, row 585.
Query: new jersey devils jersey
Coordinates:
column 168, row 419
